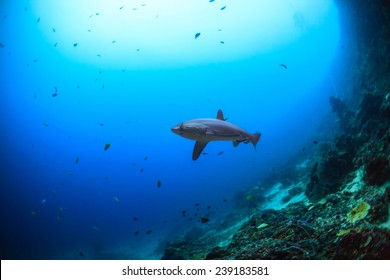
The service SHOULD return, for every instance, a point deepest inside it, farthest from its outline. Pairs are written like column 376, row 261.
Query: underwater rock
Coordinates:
column 369, row 108
column 180, row 249
column 365, row 244
column 377, row 171
column 291, row 193
column 217, row 253
column 379, row 212
column 328, row 174
column 343, row 113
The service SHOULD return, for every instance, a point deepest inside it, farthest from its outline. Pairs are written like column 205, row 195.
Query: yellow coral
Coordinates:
column 343, row 232
column 359, row 212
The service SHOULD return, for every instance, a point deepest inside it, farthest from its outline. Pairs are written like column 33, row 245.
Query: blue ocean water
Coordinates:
column 64, row 98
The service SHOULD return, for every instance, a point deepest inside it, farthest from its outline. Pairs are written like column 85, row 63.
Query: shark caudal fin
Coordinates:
column 255, row 138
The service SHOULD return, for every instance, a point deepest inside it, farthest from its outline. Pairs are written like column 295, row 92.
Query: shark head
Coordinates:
column 178, row 129
column 188, row 130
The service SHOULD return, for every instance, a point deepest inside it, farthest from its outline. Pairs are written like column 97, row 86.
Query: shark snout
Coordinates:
column 177, row 129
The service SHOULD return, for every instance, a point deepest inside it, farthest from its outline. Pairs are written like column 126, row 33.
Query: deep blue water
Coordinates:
column 53, row 207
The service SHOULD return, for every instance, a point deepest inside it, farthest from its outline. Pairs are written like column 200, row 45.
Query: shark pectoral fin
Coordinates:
column 198, row 148
column 235, row 143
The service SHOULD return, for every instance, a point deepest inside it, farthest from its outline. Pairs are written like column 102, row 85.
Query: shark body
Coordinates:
column 205, row 130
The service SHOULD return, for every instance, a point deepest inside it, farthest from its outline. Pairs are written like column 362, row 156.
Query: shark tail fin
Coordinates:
column 255, row 138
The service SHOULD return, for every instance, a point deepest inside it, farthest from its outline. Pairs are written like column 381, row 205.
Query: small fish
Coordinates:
column 102, row 124
column 209, row 207
column 135, row 219
column 204, row 219
column 222, row 42
column 211, row 1
column 315, row 142
column 54, row 94
column 113, row 42
column 55, row 44
column 223, row 8
column 145, row 158
column 220, row 153
column 141, row 170
column 148, row 232
column 97, row 14
column 116, row 199
column 75, row 44
column 121, row 8
column 205, row 153
column 45, row 123
column 284, row 66
column 107, row 146
column 98, row 55
column 43, row 200
column 38, row 20
column 138, row 50
column 196, row 204
column 158, row 183
column 183, row 213
column 303, row 149
column 33, row 213
column 77, row 160
column 136, row 233
column 54, row 29
column 225, row 200
column 197, row 35
column 81, row 254
column 35, row 60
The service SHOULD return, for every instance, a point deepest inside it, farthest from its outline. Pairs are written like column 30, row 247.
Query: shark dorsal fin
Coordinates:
column 220, row 115
column 198, row 148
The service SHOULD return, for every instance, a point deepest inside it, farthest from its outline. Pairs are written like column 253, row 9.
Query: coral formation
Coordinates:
column 359, row 212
